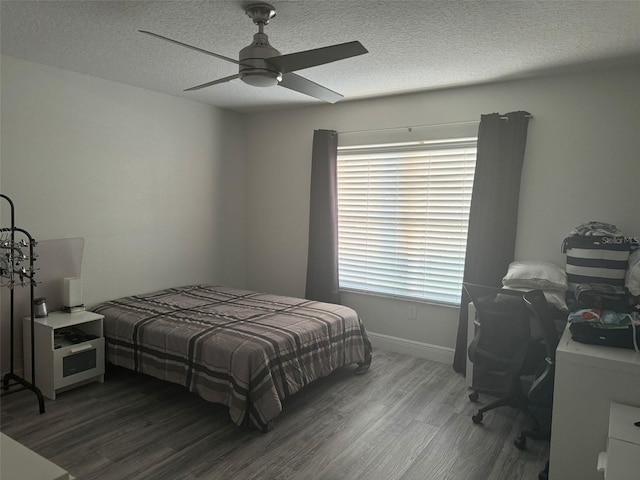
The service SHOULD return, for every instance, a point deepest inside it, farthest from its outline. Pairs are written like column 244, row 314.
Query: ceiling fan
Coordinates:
column 261, row 65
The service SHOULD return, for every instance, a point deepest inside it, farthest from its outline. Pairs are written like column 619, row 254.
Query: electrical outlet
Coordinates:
column 413, row 312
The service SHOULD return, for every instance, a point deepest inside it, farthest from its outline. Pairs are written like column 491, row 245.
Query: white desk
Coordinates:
column 20, row 463
column 588, row 378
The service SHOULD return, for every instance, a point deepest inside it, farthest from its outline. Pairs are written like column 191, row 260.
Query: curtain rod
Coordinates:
column 410, row 128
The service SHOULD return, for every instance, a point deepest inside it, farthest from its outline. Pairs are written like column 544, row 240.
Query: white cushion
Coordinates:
column 535, row 275
column 632, row 281
column 556, row 299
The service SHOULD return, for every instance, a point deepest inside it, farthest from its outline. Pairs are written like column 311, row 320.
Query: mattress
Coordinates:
column 243, row 349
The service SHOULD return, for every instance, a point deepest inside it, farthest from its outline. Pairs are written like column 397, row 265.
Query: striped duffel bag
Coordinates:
column 596, row 259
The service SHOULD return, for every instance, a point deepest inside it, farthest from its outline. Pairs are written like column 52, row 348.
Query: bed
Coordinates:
column 243, row 349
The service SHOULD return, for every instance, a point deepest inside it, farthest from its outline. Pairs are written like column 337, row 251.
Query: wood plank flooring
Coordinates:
column 407, row 418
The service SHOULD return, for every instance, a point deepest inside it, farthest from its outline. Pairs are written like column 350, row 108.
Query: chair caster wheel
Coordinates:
column 474, row 397
column 477, row 418
column 520, row 442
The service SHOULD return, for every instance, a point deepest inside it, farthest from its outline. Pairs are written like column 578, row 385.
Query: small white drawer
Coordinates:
column 79, row 362
column 622, row 459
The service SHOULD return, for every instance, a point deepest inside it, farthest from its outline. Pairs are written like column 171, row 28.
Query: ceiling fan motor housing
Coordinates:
column 254, row 70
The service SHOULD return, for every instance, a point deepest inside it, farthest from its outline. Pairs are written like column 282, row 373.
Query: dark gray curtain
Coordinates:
column 493, row 218
column 322, row 260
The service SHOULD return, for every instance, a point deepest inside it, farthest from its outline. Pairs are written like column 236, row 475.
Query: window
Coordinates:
column 403, row 215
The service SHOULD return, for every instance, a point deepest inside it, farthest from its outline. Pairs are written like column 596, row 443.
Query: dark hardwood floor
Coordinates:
column 407, row 418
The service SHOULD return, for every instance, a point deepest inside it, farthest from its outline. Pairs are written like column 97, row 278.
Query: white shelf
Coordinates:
column 62, row 319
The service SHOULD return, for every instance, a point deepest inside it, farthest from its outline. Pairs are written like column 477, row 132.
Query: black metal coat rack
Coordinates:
column 16, row 269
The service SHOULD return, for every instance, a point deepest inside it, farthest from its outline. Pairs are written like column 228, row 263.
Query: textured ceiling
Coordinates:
column 413, row 45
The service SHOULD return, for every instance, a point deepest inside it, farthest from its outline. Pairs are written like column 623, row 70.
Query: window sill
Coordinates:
column 401, row 298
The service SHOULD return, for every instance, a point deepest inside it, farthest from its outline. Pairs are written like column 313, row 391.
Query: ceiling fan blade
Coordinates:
column 222, row 57
column 317, row 56
column 302, row 85
column 214, row 82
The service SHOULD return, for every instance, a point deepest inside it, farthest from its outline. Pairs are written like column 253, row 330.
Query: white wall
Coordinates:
column 581, row 164
column 167, row 191
column 155, row 184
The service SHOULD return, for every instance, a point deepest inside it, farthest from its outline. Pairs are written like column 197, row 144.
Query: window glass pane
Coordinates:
column 403, row 212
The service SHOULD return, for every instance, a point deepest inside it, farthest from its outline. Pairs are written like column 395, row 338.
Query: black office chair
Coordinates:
column 540, row 393
column 502, row 347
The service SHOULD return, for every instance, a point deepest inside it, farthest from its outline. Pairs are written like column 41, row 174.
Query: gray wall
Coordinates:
column 154, row 183
column 166, row 191
column 581, row 164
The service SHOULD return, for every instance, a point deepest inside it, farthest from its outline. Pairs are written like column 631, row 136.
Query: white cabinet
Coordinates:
column 588, row 379
column 69, row 350
column 621, row 461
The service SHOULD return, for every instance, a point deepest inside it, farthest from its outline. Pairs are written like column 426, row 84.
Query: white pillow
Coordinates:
column 632, row 280
column 536, row 275
column 556, row 299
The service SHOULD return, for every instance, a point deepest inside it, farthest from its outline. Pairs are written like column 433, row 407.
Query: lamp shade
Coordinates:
column 72, row 291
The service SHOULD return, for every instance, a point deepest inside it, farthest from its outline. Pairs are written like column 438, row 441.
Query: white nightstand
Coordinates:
column 63, row 363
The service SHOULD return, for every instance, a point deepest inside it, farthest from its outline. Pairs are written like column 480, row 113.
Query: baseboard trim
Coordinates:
column 435, row 353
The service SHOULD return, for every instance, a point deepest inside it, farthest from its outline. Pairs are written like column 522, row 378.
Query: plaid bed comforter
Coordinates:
column 243, row 349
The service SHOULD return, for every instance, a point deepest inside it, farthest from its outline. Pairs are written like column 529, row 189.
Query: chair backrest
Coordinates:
column 541, row 391
column 537, row 304
column 503, row 326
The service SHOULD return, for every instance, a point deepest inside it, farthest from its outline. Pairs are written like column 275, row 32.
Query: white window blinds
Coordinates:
column 403, row 214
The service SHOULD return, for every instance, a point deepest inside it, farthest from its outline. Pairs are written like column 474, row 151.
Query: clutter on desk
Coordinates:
column 597, row 252
column 603, row 273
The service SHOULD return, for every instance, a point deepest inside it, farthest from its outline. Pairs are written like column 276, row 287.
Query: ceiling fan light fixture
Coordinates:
column 260, row 78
